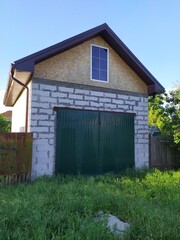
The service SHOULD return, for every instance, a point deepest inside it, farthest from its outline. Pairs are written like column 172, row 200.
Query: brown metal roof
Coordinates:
column 7, row 115
column 27, row 64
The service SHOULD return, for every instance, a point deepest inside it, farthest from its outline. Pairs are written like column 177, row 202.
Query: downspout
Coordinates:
column 27, row 98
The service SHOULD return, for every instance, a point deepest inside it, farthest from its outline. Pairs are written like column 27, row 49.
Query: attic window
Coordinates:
column 99, row 63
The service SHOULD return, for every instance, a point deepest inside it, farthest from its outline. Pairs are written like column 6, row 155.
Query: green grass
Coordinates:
column 64, row 207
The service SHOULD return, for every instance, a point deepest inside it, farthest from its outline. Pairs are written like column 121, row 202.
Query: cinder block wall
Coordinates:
column 47, row 94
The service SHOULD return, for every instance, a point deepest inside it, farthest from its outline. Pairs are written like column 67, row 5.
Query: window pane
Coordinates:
column 103, row 64
column 95, row 74
column 99, row 63
column 95, row 51
column 95, row 63
column 103, row 53
column 103, row 75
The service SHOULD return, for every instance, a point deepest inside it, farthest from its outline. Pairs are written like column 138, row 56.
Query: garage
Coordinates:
column 93, row 142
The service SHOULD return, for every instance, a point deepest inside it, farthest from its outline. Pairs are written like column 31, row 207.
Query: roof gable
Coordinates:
column 74, row 65
column 27, row 64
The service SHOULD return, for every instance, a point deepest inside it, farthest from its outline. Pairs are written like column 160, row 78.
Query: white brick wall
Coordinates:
column 45, row 97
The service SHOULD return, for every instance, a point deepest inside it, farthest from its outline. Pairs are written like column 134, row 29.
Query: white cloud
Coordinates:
column 2, row 107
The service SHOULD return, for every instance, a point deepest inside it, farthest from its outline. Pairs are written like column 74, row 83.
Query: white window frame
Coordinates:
column 107, row 63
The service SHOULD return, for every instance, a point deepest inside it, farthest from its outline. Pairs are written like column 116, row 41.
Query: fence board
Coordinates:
column 15, row 157
column 161, row 156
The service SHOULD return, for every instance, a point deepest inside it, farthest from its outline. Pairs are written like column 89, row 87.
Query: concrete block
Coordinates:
column 142, row 122
column 34, row 110
column 66, row 89
column 39, row 117
column 96, row 104
column 35, row 135
column 134, row 98
column 139, row 135
column 122, row 97
column 140, row 147
column 44, row 148
column 35, row 86
column 48, row 100
column 47, row 111
column 48, row 87
column 145, row 100
column 40, row 129
column 118, row 101
column 137, row 108
column 144, row 113
column 42, row 141
column 141, row 163
column 82, row 91
column 46, row 135
column 59, row 95
column 40, row 105
column 98, row 94
column 123, row 107
column 91, row 98
column 34, row 98
column 81, row 103
column 143, row 141
column 75, row 96
column 130, row 102
column 145, row 108
column 51, row 130
column 129, row 111
column 34, row 123
column 91, row 108
column 109, row 105
column 46, row 123
column 52, row 117
column 109, row 95
column 139, row 117
column 142, row 104
column 41, row 93
column 51, row 142
column 142, row 131
column 105, row 100
column 66, row 101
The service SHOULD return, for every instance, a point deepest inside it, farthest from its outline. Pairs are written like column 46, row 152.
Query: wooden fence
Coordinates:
column 15, row 157
column 161, row 156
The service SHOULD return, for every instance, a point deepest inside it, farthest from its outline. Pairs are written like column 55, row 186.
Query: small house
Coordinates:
column 85, row 100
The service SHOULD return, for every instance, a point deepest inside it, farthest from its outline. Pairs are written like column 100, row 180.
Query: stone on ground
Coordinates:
column 114, row 224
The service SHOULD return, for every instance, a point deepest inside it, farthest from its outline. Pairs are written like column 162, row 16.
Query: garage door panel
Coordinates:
column 92, row 142
column 89, row 150
column 66, row 141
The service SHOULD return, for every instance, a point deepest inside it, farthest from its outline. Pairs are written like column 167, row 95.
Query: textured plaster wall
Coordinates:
column 74, row 66
column 43, row 119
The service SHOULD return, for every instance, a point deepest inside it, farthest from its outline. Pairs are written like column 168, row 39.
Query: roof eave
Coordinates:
column 14, row 90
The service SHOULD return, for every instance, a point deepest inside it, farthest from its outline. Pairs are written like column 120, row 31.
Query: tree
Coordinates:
column 5, row 125
column 164, row 112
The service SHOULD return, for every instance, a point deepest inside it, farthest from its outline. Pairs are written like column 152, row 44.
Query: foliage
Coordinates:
column 164, row 112
column 64, row 207
column 5, row 125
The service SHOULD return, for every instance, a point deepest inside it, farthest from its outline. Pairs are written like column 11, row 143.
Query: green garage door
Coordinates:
column 92, row 142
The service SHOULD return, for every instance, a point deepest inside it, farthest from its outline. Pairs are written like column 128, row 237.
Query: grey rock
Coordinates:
column 114, row 224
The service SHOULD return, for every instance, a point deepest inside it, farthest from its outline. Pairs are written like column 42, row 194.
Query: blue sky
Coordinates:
column 149, row 28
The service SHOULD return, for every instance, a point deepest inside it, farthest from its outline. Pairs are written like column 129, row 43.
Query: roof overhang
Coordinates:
column 24, row 68
column 14, row 89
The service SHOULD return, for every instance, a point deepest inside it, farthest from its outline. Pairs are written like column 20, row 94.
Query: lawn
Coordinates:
column 65, row 207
